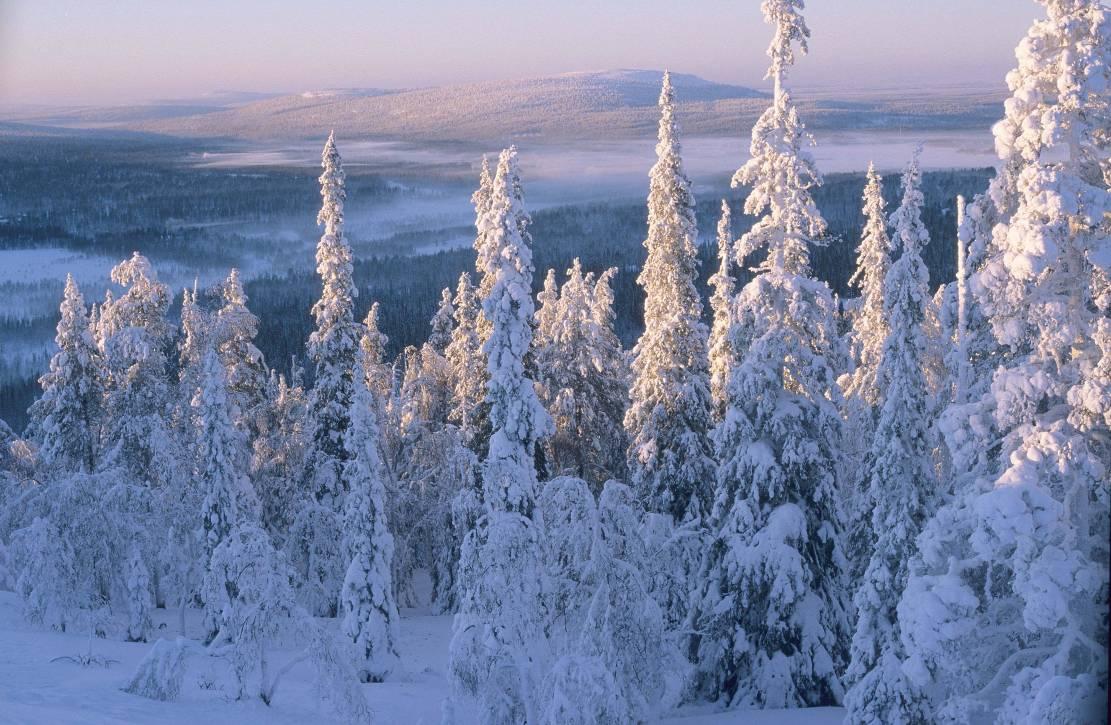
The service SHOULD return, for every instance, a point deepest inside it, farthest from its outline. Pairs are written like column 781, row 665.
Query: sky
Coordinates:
column 125, row 51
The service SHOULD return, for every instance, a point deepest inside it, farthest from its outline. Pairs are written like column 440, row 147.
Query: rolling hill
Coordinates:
column 614, row 104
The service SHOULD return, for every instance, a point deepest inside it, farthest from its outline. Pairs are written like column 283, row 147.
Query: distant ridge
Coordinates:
column 592, row 105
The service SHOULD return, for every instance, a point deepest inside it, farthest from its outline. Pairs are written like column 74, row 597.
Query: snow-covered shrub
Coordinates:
column 249, row 582
column 139, row 597
column 160, row 674
column 581, row 690
column 313, row 550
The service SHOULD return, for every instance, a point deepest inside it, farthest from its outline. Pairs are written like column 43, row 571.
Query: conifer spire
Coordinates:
column 669, row 418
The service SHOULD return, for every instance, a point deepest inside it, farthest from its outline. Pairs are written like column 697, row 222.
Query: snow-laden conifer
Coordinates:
column 140, row 601
column 668, row 421
column 583, row 376
column 1003, row 614
column 770, row 613
column 279, row 453
column 900, row 485
column 134, row 333
column 468, row 365
column 221, row 456
column 66, row 419
column 370, row 618
column 869, row 323
column 499, row 627
column 442, row 323
column 721, row 302
column 624, row 627
column 379, row 374
column 333, row 343
column 517, row 418
column 235, row 330
column 484, row 253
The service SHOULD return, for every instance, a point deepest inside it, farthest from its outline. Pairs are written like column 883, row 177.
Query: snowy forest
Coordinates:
column 889, row 505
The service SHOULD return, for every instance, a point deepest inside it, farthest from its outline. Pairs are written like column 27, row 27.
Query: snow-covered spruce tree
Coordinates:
column 65, row 421
column 333, row 343
column 468, row 369
column 901, row 487
column 221, row 465
column 547, row 311
column 311, row 545
column 221, row 456
column 770, row 621
column 370, row 615
column 869, row 323
column 865, row 390
column 668, row 421
column 483, row 254
column 498, row 630
column 134, row 334
column 614, row 375
column 442, row 323
column 425, row 395
column 1004, row 611
column 721, row 302
column 583, row 380
column 517, row 418
column 192, row 342
column 235, row 330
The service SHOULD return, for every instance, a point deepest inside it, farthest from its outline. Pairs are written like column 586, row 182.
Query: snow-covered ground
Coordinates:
column 35, row 688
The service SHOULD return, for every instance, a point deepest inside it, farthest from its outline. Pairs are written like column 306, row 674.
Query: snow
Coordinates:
column 35, row 690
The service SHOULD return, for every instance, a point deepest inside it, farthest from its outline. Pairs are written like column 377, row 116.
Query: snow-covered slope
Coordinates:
column 583, row 106
column 37, row 689
column 572, row 104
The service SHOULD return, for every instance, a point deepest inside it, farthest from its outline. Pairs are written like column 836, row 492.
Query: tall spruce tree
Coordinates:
column 869, row 322
column 721, row 302
column 442, row 323
column 468, row 408
column 668, row 421
column 900, row 483
column 333, row 344
column 370, row 618
column 499, row 625
column 770, row 615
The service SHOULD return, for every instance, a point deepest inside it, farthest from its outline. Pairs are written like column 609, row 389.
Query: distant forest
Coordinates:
column 64, row 194
column 601, row 235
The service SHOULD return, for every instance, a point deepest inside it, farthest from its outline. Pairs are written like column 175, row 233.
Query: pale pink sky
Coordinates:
column 118, row 51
